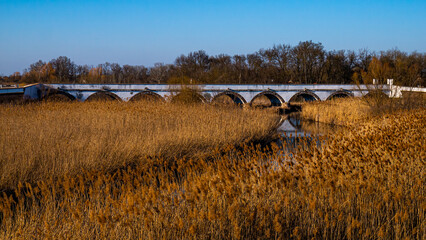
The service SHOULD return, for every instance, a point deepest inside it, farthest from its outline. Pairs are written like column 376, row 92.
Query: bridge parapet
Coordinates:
column 241, row 94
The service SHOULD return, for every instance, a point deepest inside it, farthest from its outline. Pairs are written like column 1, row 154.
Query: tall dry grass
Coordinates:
column 341, row 111
column 366, row 183
column 55, row 139
column 350, row 111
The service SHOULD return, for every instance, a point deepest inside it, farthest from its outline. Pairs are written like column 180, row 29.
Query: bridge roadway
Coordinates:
column 240, row 94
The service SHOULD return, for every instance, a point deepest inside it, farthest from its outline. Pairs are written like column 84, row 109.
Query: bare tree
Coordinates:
column 240, row 68
column 308, row 59
column 159, row 73
column 64, row 69
column 117, row 74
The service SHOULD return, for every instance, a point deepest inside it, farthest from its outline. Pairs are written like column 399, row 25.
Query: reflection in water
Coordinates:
column 296, row 133
column 295, row 126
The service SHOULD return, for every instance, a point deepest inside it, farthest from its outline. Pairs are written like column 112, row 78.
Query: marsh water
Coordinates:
column 295, row 126
column 294, row 132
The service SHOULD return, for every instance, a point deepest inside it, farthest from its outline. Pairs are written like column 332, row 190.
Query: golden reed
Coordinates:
column 53, row 139
column 365, row 183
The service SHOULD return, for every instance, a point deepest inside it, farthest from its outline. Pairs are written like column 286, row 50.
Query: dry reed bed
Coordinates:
column 351, row 111
column 367, row 183
column 55, row 139
column 345, row 112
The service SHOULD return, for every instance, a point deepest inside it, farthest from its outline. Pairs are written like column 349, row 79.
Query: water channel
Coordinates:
column 295, row 132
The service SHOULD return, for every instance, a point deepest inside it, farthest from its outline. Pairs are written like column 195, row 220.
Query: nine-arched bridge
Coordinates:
column 276, row 95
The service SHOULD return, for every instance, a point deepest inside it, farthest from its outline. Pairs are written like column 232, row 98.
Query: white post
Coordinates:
column 393, row 90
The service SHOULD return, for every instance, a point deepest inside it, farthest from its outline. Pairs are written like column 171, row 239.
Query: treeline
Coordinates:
column 305, row 63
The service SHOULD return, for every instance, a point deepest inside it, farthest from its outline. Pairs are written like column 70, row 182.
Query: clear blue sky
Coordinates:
column 145, row 32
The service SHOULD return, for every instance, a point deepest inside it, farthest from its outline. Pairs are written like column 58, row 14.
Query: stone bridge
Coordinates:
column 276, row 95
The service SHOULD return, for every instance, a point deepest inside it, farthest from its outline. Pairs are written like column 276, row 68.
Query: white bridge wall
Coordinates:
column 248, row 92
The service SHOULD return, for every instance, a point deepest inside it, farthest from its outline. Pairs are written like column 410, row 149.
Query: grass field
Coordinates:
column 365, row 183
column 54, row 139
column 339, row 111
column 351, row 111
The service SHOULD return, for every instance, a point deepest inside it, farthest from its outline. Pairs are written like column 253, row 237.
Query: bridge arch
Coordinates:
column 103, row 96
column 340, row 94
column 304, row 96
column 188, row 97
column 275, row 99
column 57, row 96
column 229, row 95
column 147, row 96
